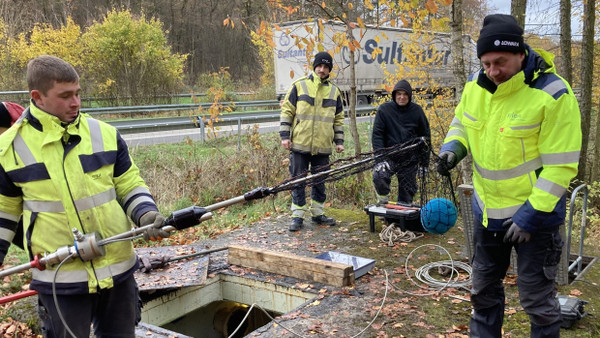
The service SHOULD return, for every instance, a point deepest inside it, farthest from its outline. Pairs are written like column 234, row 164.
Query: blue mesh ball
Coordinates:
column 438, row 216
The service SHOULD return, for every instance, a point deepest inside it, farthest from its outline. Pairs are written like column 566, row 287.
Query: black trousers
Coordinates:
column 537, row 268
column 113, row 312
column 407, row 182
column 299, row 164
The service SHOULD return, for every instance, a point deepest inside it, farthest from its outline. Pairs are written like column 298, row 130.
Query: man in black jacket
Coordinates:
column 398, row 121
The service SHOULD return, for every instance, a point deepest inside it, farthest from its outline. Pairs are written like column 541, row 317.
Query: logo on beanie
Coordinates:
column 498, row 43
column 510, row 43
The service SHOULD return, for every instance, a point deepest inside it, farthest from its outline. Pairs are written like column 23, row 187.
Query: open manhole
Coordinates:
column 183, row 300
column 216, row 309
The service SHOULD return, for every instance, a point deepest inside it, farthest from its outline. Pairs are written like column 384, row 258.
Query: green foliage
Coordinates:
column 63, row 42
column 218, row 86
column 263, row 40
column 10, row 75
column 265, row 92
column 129, row 58
column 121, row 57
column 212, row 171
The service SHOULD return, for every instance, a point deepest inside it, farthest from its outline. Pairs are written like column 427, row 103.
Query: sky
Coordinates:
column 542, row 17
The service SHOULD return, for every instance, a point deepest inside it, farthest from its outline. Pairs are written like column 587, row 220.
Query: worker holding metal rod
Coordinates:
column 70, row 179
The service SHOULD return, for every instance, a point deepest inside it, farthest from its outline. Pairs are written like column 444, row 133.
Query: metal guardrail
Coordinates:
column 189, row 122
column 175, row 107
column 190, row 94
column 172, row 123
column 16, row 92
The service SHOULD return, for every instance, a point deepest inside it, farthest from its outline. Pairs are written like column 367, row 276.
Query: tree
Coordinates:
column 15, row 52
column 130, row 58
column 566, row 69
column 457, row 46
column 460, row 71
column 587, row 71
column 517, row 9
column 10, row 73
column 63, row 42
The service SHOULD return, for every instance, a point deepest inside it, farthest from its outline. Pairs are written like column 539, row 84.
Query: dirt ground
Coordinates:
column 408, row 310
column 386, row 302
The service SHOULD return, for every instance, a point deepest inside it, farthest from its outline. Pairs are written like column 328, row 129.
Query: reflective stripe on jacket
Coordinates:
column 525, row 139
column 63, row 177
column 312, row 116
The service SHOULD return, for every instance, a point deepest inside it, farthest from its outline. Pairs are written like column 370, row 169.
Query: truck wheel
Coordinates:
column 362, row 100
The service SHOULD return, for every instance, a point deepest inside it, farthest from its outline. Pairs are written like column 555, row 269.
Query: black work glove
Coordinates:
column 515, row 233
column 446, row 162
column 156, row 232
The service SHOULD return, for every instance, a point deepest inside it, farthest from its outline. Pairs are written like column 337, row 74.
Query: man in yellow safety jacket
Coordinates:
column 62, row 171
column 312, row 119
column 521, row 123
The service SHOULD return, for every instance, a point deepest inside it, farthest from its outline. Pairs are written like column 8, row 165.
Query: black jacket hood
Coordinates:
column 402, row 85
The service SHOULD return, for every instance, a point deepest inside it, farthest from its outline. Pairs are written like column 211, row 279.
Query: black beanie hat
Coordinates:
column 500, row 33
column 323, row 58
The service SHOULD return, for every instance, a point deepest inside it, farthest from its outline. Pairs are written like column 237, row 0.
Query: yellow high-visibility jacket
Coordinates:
column 312, row 116
column 60, row 177
column 525, row 137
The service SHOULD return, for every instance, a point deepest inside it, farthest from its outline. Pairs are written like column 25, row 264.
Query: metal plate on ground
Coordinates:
column 361, row 265
column 176, row 273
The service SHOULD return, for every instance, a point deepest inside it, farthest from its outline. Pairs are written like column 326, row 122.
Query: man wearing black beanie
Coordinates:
column 323, row 58
column 311, row 121
column 520, row 121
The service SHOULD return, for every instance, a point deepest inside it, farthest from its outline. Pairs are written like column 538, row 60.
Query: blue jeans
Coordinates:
column 537, row 267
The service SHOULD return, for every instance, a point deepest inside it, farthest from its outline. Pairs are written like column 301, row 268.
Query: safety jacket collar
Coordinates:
column 51, row 125
column 537, row 63
column 315, row 78
column 40, row 118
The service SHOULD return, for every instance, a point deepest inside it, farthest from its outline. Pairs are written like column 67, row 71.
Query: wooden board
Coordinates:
column 307, row 268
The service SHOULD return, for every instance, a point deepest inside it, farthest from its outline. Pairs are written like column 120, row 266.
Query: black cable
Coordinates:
column 60, row 315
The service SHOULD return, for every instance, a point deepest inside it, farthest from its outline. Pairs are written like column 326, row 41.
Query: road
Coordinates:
column 175, row 136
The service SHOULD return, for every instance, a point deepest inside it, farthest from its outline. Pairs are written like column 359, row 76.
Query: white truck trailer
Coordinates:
column 291, row 61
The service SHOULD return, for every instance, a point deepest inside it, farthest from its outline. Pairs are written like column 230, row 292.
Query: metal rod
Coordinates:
column 578, row 261
column 18, row 295
column 16, row 269
column 138, row 231
column 239, row 124
column 341, row 168
column 201, row 253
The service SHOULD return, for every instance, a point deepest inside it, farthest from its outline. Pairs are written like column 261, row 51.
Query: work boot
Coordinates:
column 296, row 224
column 382, row 201
column 324, row 220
